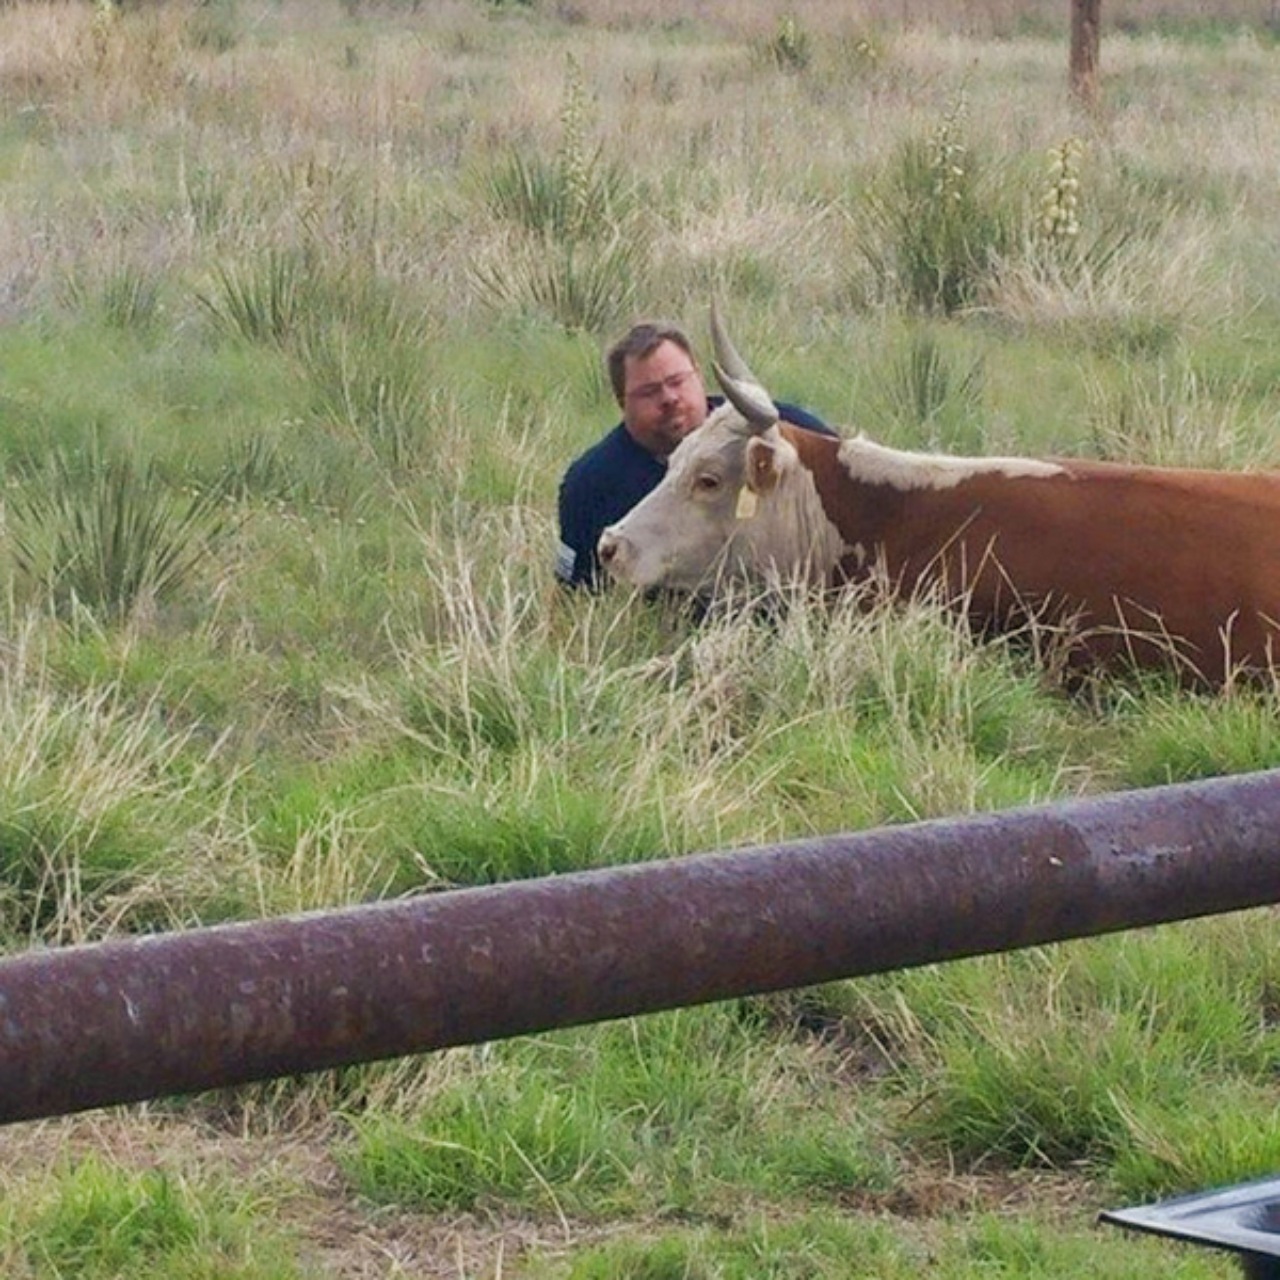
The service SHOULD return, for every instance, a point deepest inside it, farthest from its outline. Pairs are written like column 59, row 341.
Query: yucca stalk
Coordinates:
column 575, row 162
column 935, row 226
column 575, row 195
column 1060, row 205
column 789, row 49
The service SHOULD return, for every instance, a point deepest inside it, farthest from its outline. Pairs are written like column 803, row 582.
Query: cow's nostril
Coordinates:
column 607, row 549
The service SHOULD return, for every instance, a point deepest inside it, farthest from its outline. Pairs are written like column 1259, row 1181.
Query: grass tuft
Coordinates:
column 215, row 26
column 639, row 1133
column 126, row 295
column 930, row 232
column 930, row 399
column 372, row 390
column 578, row 248
column 102, row 532
column 100, row 1220
column 588, row 286
column 1164, row 413
column 102, row 804
column 262, row 302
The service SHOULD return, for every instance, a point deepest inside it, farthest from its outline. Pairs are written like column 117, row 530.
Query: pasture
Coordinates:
column 302, row 310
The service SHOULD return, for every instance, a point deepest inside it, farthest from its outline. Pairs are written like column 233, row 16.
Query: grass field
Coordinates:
column 302, row 309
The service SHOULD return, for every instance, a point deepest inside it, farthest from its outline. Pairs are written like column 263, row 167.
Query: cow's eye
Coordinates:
column 707, row 483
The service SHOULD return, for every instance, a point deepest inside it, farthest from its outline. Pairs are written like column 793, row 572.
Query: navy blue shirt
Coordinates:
column 604, row 483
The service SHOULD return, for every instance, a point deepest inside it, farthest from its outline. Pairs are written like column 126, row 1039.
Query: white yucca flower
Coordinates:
column 1060, row 205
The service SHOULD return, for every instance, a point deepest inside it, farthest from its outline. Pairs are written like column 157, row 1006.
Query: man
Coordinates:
column 659, row 388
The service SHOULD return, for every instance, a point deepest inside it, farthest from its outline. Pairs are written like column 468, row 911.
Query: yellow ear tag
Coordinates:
column 746, row 503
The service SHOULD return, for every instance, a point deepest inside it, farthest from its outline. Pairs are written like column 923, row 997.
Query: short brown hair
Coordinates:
column 639, row 341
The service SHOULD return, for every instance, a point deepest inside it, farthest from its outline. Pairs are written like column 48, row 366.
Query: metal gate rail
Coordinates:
column 175, row 1013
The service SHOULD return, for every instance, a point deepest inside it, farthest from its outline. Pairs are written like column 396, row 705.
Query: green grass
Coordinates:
column 103, row 803
column 827, row 1246
column 638, row 1118
column 303, row 310
column 96, row 1219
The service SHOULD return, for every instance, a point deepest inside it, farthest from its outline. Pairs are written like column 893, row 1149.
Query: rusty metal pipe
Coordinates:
column 145, row 1017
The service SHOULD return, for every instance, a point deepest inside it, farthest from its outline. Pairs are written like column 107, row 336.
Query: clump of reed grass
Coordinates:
column 861, row 53
column 127, row 54
column 96, row 1216
column 377, row 396
column 109, row 534
column 658, row 1092
column 126, row 294
column 360, row 343
column 214, row 25
column 586, row 285
column 253, row 466
column 206, row 197
column 932, row 229
column 575, row 194
column 1103, row 262
column 535, row 193
column 928, row 394
column 264, row 300
column 1090, row 1056
column 1169, row 415
column 577, row 246
column 1176, row 739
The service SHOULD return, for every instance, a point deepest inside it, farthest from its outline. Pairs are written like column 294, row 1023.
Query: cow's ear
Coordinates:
column 762, row 474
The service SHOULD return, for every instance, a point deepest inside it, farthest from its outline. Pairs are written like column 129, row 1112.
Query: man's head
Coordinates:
column 657, row 383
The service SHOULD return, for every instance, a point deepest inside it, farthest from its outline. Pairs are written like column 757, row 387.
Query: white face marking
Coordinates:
column 692, row 528
column 876, row 464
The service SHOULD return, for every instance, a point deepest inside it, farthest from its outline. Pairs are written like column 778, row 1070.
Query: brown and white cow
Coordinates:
column 1149, row 565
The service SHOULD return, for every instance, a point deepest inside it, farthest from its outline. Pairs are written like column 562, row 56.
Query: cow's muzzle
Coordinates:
column 613, row 552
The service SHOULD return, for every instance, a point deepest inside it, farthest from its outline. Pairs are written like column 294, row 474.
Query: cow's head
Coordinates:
column 736, row 503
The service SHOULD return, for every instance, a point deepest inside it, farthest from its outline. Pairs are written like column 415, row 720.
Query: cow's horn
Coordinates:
column 737, row 381
column 727, row 358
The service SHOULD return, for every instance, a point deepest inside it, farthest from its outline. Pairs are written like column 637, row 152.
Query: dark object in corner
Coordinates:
column 1244, row 1219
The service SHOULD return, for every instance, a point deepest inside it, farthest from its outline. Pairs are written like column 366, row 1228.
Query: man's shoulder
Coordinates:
column 788, row 412
column 799, row 417
column 614, row 447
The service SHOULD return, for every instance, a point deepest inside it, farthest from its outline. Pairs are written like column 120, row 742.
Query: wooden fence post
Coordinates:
column 1086, row 24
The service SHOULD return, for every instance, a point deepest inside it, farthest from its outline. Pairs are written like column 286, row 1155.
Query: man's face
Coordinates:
column 664, row 398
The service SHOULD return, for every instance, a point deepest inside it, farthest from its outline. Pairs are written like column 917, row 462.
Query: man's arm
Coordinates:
column 576, row 563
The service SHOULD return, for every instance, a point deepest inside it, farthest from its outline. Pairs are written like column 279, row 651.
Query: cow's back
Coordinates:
column 1184, row 558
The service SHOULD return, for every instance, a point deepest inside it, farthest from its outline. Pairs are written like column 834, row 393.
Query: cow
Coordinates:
column 1141, row 566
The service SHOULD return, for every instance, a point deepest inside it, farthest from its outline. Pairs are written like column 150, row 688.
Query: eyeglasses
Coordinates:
column 654, row 390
